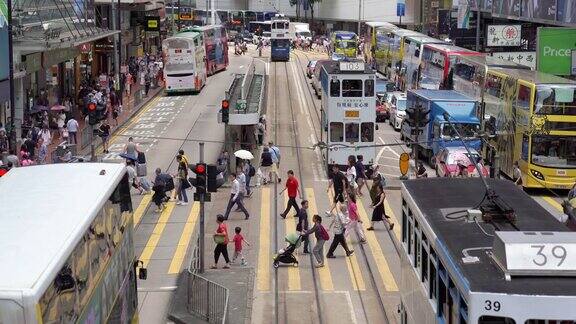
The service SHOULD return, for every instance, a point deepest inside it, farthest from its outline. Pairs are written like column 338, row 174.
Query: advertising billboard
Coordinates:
column 554, row 50
column 504, row 35
column 4, row 62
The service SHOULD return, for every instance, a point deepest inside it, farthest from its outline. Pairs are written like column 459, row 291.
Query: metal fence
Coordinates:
column 207, row 300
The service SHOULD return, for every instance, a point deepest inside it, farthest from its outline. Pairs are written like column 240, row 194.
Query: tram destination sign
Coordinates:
column 351, row 66
column 536, row 253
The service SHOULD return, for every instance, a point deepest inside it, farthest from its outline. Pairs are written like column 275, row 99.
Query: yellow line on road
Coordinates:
column 381, row 263
column 293, row 272
column 264, row 260
column 553, row 202
column 324, row 272
column 156, row 233
column 182, row 248
column 141, row 209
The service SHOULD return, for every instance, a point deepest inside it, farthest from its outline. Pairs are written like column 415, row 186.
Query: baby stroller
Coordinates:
column 286, row 255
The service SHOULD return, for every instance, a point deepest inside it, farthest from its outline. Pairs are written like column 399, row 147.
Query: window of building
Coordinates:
column 352, row 132
column 352, row 88
column 367, row 132
column 336, row 132
column 335, row 88
column 486, row 319
column 368, row 88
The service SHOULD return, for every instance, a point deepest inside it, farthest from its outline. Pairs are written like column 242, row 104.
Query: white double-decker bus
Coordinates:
column 184, row 62
column 66, row 245
column 349, row 111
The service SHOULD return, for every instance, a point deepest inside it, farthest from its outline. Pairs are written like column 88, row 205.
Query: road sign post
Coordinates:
column 201, row 235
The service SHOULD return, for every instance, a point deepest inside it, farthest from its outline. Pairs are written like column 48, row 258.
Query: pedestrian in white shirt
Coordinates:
column 235, row 197
column 46, row 135
column 72, row 127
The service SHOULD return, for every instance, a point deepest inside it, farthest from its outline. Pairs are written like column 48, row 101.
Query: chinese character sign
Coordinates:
column 504, row 35
column 522, row 58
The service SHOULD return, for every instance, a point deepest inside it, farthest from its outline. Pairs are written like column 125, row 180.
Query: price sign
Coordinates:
column 352, row 114
column 351, row 66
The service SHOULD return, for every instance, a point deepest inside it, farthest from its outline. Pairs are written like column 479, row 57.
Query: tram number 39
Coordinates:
column 543, row 254
column 492, row 305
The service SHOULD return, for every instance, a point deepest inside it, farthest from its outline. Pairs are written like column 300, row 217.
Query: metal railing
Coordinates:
column 206, row 299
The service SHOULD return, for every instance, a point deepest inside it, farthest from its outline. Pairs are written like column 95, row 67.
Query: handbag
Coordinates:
column 185, row 184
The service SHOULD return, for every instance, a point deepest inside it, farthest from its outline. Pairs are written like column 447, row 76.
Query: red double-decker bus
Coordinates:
column 216, row 44
column 436, row 63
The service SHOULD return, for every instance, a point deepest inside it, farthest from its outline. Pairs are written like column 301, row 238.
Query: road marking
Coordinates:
column 263, row 274
column 298, row 89
column 139, row 212
column 324, row 272
column 156, row 234
column 182, row 248
column 381, row 263
column 388, row 148
column 293, row 272
column 553, row 202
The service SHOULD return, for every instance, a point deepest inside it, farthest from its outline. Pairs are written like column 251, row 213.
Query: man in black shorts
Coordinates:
column 338, row 181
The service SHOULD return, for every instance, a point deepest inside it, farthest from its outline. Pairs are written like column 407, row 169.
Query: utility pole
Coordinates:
column 12, row 134
column 201, row 235
column 115, row 15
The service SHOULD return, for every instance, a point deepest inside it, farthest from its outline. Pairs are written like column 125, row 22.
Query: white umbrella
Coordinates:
column 243, row 154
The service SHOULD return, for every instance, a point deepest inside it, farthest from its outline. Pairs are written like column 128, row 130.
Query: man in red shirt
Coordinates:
column 293, row 188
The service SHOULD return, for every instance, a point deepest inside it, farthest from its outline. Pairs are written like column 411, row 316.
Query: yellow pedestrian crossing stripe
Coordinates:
column 293, row 272
column 139, row 212
column 553, row 203
column 156, row 234
column 324, row 272
column 264, row 259
column 184, row 241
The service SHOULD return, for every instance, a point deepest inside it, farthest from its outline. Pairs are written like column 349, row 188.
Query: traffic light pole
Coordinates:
column 201, row 236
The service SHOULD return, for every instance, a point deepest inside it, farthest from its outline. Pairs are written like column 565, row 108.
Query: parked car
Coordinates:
column 310, row 68
column 397, row 109
column 382, row 112
column 316, row 78
column 455, row 162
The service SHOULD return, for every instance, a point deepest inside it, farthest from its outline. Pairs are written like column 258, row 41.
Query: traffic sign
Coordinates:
column 400, row 8
column 241, row 104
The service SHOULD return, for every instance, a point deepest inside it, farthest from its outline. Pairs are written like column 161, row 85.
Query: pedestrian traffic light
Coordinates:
column 225, row 111
column 212, row 173
column 200, row 170
column 92, row 117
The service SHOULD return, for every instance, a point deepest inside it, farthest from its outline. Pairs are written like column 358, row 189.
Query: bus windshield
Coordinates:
column 345, row 44
column 467, row 130
column 284, row 43
column 556, row 100
column 554, row 151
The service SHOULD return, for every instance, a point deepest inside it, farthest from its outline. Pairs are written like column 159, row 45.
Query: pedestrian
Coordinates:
column 355, row 223
column 338, row 182
column 115, row 113
column 184, row 157
column 132, row 178
column 378, row 213
column 265, row 164
column 250, row 172
column 235, row 197
column 46, row 135
column 322, row 236
column 517, row 174
column 238, row 239
column 105, row 134
column 183, row 183
column 260, row 130
column 72, row 127
column 160, row 186
column 242, row 181
column 302, row 225
column 61, row 122
column 275, row 153
column 42, row 152
column 351, row 174
column 293, row 190
column 360, row 174
column 131, row 149
column 221, row 240
column 338, row 225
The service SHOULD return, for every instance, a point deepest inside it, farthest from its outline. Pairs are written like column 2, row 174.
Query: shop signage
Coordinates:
column 4, row 62
column 152, row 23
column 554, row 46
column 185, row 13
column 504, row 35
column 523, row 58
column 58, row 56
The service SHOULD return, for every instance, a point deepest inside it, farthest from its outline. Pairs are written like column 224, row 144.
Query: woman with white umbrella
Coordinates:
column 247, row 168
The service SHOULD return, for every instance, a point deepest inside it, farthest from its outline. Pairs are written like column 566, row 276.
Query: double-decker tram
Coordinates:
column 436, row 63
column 280, row 39
column 67, row 254
column 184, row 62
column 506, row 261
column 413, row 47
column 345, row 43
column 349, row 111
column 216, row 47
column 531, row 119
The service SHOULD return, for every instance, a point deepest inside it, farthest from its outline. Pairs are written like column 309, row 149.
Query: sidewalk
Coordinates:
column 131, row 105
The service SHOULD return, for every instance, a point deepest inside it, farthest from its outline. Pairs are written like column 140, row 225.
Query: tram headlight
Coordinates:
column 537, row 174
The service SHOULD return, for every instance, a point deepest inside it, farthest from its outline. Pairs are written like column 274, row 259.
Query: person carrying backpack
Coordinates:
column 250, row 172
column 322, row 236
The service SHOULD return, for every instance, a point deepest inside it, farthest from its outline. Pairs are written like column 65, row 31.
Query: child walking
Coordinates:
column 238, row 239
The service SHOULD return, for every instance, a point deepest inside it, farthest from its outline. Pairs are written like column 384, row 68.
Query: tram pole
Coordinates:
column 201, row 235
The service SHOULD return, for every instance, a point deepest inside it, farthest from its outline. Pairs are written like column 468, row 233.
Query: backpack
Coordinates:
column 324, row 233
column 251, row 171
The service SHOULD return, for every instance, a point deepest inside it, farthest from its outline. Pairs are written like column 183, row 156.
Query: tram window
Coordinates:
column 336, row 132
column 409, row 238
column 367, row 132
column 352, row 132
column 433, row 280
column 424, row 270
column 368, row 88
column 486, row 319
column 403, row 202
column 335, row 88
column 523, row 99
column 404, row 225
column 443, row 306
column 540, row 321
column 417, row 249
column 351, row 88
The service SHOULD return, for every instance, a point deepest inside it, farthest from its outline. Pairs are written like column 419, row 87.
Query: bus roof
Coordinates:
column 404, row 32
column 424, row 39
column 186, row 34
column 204, row 28
column 375, row 24
column 534, row 77
column 45, row 211
column 491, row 61
column 441, row 95
column 452, row 237
column 451, row 49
